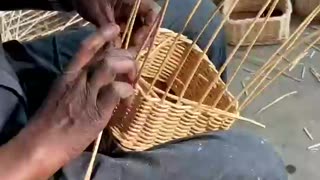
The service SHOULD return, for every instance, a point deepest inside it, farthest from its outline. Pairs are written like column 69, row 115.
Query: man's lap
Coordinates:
column 222, row 155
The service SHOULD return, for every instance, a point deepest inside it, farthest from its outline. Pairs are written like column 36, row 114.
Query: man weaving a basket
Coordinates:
column 57, row 96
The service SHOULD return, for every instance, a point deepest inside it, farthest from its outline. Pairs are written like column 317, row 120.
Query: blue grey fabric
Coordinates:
column 216, row 156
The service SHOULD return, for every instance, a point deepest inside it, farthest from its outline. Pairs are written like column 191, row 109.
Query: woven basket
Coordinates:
column 276, row 30
column 305, row 7
column 151, row 121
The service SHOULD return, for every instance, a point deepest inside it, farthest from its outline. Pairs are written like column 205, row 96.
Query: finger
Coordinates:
column 107, row 13
column 140, row 36
column 146, row 6
column 123, row 65
column 91, row 46
column 151, row 16
column 110, row 96
column 115, row 63
column 107, row 101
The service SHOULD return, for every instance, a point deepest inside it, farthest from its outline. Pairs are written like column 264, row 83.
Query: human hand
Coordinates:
column 81, row 103
column 103, row 12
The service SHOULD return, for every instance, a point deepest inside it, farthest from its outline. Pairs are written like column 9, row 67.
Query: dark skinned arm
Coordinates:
column 77, row 109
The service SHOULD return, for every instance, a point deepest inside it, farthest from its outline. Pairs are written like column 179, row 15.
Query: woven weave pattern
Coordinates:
column 151, row 120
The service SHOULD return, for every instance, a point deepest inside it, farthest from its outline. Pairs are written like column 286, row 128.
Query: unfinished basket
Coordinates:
column 305, row 7
column 276, row 30
column 152, row 120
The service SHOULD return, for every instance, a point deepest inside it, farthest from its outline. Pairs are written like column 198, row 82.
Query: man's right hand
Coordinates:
column 79, row 106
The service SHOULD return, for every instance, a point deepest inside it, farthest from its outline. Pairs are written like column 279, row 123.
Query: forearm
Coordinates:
column 30, row 156
column 36, row 4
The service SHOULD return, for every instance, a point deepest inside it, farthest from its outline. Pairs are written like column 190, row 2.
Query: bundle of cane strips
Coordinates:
column 28, row 25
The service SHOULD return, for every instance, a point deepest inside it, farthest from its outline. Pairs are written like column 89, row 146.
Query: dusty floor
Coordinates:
column 285, row 121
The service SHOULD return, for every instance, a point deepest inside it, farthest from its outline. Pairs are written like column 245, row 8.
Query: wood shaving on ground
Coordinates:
column 308, row 133
column 312, row 54
column 303, row 72
column 314, row 150
column 243, row 87
column 314, row 146
column 252, row 72
column 314, row 27
column 291, row 77
column 315, row 73
column 276, row 101
column 257, row 62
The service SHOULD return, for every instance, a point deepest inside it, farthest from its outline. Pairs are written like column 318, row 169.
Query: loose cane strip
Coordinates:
column 173, row 45
column 193, row 46
column 271, row 60
column 213, row 37
column 224, row 66
column 220, row 95
column 157, row 27
column 255, row 94
column 277, row 60
column 98, row 140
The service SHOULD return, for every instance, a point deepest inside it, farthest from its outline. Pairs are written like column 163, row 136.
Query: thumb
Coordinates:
column 92, row 45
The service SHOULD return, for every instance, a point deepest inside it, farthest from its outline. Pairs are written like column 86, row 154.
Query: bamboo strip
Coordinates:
column 170, row 51
column 93, row 157
column 193, row 45
column 272, row 59
column 129, row 22
column 308, row 133
column 157, row 27
column 135, row 12
column 220, row 95
column 255, row 94
column 213, row 37
column 276, row 101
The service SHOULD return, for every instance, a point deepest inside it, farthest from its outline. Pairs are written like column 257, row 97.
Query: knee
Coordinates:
column 245, row 155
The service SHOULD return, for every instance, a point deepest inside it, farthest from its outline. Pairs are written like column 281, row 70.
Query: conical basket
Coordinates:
column 152, row 120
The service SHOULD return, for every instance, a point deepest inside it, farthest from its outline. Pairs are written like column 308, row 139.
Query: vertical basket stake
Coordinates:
column 255, row 94
column 213, row 37
column 271, row 60
column 220, row 95
column 224, row 66
column 185, row 57
column 170, row 51
column 157, row 27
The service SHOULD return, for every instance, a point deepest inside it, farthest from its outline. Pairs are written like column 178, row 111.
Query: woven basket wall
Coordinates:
column 151, row 121
column 276, row 30
column 305, row 7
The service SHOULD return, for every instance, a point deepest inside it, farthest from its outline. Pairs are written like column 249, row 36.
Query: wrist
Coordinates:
column 36, row 156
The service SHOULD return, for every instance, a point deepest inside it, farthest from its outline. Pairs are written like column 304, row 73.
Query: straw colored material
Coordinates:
column 305, row 7
column 150, row 120
column 275, row 31
column 28, row 25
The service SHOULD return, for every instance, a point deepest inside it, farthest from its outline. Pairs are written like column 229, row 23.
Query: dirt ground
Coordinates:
column 285, row 121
